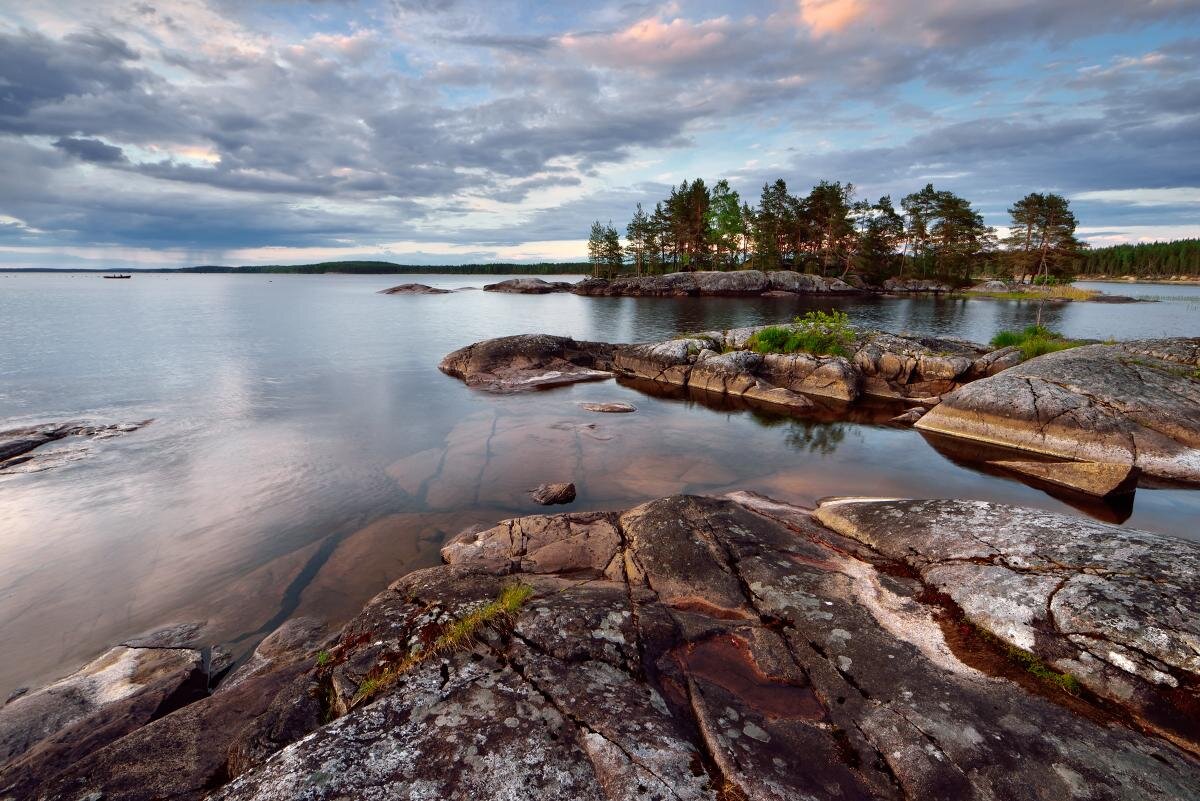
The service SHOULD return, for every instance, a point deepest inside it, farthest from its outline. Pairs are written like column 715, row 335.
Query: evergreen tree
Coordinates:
column 613, row 255
column 596, row 249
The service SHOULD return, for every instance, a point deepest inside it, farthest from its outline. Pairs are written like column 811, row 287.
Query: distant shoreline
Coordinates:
column 1114, row 280
column 340, row 268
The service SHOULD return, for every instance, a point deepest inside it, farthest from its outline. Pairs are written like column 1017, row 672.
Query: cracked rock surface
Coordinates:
column 1134, row 403
column 1116, row 608
column 700, row 648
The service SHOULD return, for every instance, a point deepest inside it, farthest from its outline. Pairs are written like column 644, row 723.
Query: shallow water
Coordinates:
column 305, row 450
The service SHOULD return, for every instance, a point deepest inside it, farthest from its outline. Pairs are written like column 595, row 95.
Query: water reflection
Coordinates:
column 306, row 451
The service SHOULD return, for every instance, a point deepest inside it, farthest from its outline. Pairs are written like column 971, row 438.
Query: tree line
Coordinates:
column 1147, row 260
column 932, row 234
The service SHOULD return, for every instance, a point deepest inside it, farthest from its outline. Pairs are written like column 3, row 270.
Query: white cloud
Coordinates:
column 1173, row 196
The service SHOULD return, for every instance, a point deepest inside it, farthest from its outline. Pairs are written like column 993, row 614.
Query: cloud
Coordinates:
column 90, row 150
column 208, row 127
column 1172, row 196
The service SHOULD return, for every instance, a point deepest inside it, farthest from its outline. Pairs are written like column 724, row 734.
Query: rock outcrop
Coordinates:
column 1133, row 403
column 884, row 365
column 528, row 361
column 702, row 648
column 915, row 285
column 737, row 283
column 414, row 289
column 528, row 286
column 920, row 367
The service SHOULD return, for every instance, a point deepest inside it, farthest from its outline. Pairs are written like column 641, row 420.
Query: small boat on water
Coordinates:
column 118, row 276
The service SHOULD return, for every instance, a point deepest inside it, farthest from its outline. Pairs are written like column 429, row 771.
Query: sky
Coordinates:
column 167, row 134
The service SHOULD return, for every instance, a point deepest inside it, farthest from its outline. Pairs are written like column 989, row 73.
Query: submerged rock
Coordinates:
column 1132, row 403
column 528, row 286
column 414, row 289
column 611, row 407
column 528, row 361
column 550, row 494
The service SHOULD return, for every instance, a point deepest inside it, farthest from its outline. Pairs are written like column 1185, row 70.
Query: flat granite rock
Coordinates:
column 1116, row 608
column 1133, row 403
column 692, row 648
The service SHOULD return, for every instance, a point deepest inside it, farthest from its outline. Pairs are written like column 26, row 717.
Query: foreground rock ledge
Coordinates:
column 700, row 648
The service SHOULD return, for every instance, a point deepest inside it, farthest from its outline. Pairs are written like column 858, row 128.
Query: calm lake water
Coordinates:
column 305, row 451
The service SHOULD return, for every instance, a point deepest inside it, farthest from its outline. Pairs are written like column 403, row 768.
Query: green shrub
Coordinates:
column 817, row 332
column 1036, row 340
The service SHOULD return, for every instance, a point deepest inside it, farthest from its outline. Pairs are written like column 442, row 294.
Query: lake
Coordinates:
column 305, row 451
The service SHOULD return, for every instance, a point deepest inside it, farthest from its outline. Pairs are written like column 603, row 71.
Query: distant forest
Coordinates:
column 388, row 268
column 1149, row 260
column 828, row 230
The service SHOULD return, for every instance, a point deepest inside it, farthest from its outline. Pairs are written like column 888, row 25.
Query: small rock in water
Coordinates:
column 611, row 408
column 909, row 417
column 550, row 494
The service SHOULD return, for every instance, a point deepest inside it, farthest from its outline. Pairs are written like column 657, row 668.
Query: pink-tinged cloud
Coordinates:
column 825, row 17
column 653, row 43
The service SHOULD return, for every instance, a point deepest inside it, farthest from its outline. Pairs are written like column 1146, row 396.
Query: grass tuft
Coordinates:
column 1038, row 668
column 456, row 636
column 323, row 658
column 1036, row 340
column 818, row 333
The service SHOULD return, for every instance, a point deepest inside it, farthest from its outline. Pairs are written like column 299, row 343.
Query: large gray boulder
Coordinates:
column 1133, row 403
column 528, row 361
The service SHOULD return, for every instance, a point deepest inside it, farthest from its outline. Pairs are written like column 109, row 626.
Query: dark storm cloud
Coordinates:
column 90, row 150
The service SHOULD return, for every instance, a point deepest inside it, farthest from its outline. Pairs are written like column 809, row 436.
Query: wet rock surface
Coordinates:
column 702, row 648
column 1132, row 403
column 528, row 361
column 528, row 286
column 414, row 289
